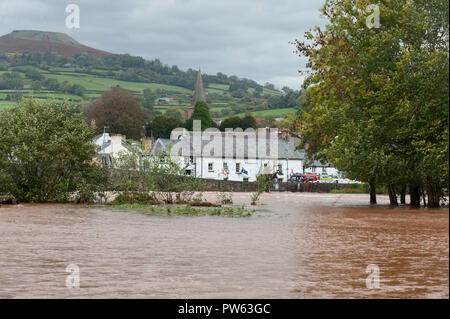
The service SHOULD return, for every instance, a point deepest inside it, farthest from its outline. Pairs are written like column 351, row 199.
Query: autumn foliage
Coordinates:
column 119, row 110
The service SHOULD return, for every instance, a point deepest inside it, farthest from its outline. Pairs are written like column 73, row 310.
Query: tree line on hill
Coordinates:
column 14, row 81
column 238, row 95
column 129, row 68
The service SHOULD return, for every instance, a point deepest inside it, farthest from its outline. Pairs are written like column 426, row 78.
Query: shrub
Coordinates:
column 46, row 152
column 155, row 179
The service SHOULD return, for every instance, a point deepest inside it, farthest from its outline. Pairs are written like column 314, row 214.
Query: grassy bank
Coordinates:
column 348, row 191
column 360, row 189
column 184, row 210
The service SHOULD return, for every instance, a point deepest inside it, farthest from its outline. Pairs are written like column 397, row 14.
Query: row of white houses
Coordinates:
column 241, row 161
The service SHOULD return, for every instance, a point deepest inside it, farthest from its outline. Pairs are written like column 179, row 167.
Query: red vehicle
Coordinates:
column 309, row 178
column 304, row 178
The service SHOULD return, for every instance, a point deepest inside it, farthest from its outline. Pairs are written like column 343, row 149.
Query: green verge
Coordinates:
column 184, row 210
column 348, row 191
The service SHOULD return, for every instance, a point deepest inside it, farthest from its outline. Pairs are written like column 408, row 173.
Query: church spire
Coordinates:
column 199, row 94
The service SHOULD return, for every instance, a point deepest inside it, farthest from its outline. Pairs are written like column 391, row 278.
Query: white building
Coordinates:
column 239, row 164
column 99, row 140
column 165, row 100
column 322, row 169
column 109, row 147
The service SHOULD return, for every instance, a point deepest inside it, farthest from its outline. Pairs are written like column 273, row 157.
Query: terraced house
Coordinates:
column 237, row 156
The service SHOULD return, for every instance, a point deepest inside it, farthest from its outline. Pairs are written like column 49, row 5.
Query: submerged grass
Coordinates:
column 185, row 210
column 348, row 191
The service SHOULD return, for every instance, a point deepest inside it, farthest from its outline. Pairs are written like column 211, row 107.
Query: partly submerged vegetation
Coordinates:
column 185, row 210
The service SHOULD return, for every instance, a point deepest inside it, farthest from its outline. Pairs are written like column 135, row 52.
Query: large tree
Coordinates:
column 202, row 113
column 119, row 110
column 46, row 152
column 377, row 98
column 162, row 126
column 179, row 114
column 248, row 121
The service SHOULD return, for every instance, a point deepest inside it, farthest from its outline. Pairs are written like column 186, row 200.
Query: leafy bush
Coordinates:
column 262, row 184
column 225, row 198
column 155, row 179
column 46, row 153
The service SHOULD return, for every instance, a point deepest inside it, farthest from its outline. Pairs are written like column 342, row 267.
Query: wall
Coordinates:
column 221, row 185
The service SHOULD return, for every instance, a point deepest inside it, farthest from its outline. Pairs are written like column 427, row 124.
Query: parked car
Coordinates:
column 303, row 178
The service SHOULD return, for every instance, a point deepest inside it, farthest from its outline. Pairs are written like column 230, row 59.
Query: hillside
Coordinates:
column 43, row 42
column 158, row 87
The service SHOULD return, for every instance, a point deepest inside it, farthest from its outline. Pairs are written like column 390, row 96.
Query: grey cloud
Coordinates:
column 237, row 37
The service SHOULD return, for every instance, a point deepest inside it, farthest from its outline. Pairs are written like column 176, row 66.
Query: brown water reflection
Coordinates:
column 299, row 246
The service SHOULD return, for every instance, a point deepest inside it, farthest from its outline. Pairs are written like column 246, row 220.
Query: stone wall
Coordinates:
column 234, row 186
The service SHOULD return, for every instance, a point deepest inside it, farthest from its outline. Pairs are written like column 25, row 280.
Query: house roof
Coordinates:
column 241, row 147
column 161, row 145
column 123, row 143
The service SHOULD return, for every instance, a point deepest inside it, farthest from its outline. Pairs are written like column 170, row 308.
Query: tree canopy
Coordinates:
column 119, row 110
column 202, row 113
column 376, row 101
column 162, row 126
column 248, row 121
column 46, row 152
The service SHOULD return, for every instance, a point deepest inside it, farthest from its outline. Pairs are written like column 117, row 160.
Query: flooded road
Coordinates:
column 296, row 246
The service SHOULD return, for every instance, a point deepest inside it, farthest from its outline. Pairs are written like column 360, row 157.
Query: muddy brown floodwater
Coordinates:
column 297, row 246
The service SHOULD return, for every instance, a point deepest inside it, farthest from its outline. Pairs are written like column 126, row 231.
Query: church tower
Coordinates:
column 199, row 94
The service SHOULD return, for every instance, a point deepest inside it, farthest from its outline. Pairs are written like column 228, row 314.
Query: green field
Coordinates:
column 265, row 91
column 95, row 85
column 216, row 87
column 56, row 96
column 5, row 104
column 223, row 87
column 91, row 82
column 275, row 112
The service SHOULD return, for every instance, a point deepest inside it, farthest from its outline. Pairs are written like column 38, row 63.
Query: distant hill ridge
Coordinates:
column 20, row 41
column 44, row 36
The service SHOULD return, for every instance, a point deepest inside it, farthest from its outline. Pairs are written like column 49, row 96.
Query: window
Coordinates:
column 265, row 164
column 225, row 166
column 245, row 179
column 188, row 172
column 280, row 168
column 210, row 167
column 238, row 168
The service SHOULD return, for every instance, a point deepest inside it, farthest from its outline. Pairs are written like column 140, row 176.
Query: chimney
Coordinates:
column 116, row 139
column 286, row 135
column 148, row 145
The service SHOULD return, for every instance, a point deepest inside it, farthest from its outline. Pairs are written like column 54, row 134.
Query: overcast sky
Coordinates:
column 236, row 37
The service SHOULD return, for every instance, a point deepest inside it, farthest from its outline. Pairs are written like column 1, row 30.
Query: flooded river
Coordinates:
column 296, row 246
